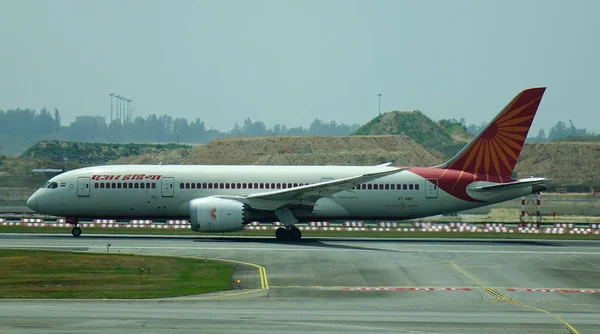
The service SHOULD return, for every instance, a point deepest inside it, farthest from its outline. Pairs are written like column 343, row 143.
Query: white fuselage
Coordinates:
column 116, row 192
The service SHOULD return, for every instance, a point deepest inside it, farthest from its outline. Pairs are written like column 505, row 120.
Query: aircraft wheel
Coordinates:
column 295, row 234
column 76, row 231
column 281, row 234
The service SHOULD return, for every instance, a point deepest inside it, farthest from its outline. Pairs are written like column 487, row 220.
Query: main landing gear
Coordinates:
column 285, row 234
column 76, row 231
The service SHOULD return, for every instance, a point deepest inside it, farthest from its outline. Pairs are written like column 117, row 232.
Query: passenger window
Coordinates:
column 95, row 185
column 210, row 186
column 221, row 186
column 130, row 185
column 193, row 186
column 272, row 185
column 387, row 187
column 203, row 185
column 381, row 187
column 278, row 185
column 392, row 186
column 244, row 185
column 262, row 185
column 187, row 186
column 410, row 187
column 255, row 186
column 283, row 186
column 153, row 185
column 136, row 185
column 295, row 185
column 101, row 185
column 142, row 185
column 239, row 186
column 249, row 185
column 363, row 186
column 114, row 185
column 398, row 186
column 267, row 186
column 119, row 185
column 226, row 185
column 181, row 185
column 404, row 187
column 416, row 187
column 369, row 186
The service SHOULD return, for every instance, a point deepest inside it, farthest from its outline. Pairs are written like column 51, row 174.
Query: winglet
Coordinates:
column 496, row 149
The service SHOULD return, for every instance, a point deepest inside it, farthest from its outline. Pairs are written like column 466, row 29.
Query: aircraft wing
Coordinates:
column 313, row 192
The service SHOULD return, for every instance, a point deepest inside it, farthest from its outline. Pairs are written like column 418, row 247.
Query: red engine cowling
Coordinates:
column 212, row 214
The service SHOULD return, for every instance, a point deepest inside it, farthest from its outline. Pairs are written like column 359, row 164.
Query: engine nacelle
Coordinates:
column 212, row 214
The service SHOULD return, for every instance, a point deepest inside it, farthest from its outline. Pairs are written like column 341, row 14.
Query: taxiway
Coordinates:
column 341, row 286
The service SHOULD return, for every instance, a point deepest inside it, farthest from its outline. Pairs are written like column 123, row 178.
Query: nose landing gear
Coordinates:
column 76, row 231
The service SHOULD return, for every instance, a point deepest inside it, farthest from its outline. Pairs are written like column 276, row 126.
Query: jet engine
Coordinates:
column 212, row 214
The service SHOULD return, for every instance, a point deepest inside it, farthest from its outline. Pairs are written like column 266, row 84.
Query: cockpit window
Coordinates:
column 53, row 185
column 45, row 185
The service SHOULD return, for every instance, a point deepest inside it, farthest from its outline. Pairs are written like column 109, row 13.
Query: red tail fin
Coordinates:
column 496, row 149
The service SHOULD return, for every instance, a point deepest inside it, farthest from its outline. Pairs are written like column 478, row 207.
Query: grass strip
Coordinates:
column 55, row 274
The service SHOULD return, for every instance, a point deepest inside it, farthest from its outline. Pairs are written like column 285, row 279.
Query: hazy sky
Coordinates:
column 292, row 61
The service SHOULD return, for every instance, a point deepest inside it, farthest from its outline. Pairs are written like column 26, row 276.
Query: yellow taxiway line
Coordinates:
column 502, row 297
column 264, row 281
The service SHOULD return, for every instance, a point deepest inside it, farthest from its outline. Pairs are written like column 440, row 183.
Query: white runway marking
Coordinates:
column 184, row 248
column 303, row 249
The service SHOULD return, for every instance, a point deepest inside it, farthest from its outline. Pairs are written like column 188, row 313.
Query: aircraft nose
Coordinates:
column 32, row 202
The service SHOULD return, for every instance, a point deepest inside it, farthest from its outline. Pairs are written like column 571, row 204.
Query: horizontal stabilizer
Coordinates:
column 504, row 186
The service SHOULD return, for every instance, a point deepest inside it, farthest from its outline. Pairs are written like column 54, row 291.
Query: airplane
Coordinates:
column 226, row 198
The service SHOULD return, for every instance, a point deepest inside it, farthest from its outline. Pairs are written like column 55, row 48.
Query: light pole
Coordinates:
column 379, row 103
column 118, row 106
column 123, row 106
column 130, row 111
column 111, row 107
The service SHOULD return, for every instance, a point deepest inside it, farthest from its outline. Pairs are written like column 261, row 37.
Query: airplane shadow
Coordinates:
column 322, row 242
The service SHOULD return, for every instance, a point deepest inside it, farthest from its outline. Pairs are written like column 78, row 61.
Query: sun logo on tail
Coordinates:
column 496, row 150
column 213, row 213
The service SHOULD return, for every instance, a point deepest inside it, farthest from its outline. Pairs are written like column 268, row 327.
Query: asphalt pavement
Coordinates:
column 340, row 286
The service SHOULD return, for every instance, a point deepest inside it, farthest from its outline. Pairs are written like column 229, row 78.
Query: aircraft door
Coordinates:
column 167, row 188
column 431, row 188
column 83, row 186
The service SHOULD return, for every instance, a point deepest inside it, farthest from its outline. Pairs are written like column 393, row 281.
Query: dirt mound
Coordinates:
column 92, row 153
column 170, row 157
column 349, row 150
column 434, row 136
column 564, row 163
